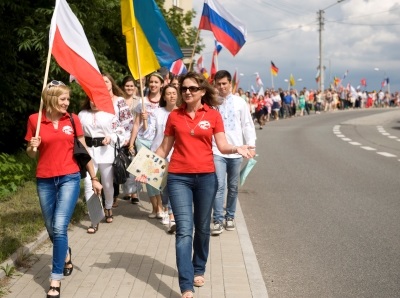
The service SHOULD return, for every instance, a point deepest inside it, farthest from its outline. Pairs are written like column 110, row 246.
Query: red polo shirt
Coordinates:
column 56, row 147
column 193, row 153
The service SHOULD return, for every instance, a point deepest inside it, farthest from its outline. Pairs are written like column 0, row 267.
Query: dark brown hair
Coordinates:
column 211, row 96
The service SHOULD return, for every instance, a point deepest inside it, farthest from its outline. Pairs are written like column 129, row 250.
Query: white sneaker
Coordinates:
column 165, row 219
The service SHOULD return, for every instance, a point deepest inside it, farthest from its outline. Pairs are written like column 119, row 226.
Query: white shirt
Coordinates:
column 238, row 124
column 99, row 124
column 161, row 117
column 150, row 132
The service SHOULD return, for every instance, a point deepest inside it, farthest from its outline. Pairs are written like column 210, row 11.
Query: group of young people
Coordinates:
column 198, row 127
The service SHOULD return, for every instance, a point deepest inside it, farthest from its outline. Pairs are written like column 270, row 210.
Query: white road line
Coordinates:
column 346, row 139
column 340, row 136
column 355, row 143
column 385, row 133
column 368, row 148
column 392, row 137
column 386, row 154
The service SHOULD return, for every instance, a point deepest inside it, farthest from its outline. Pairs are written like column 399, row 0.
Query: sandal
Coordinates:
column 187, row 294
column 68, row 270
column 115, row 202
column 109, row 216
column 93, row 229
column 56, row 289
column 199, row 281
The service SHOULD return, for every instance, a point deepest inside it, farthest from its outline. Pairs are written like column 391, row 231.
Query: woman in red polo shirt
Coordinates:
column 57, row 173
column 192, row 182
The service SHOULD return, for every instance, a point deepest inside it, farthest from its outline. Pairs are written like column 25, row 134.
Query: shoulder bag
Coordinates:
column 120, row 164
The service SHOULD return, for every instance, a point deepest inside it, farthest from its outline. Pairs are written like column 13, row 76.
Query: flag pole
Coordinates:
column 140, row 77
column 46, row 77
column 272, row 80
column 194, row 49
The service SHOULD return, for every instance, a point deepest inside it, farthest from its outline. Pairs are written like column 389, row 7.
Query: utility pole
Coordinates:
column 320, row 14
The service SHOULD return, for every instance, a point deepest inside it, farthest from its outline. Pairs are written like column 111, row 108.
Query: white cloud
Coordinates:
column 359, row 35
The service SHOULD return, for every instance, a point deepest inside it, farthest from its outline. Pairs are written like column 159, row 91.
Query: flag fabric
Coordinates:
column 363, row 82
column 214, row 60
column 345, row 74
column 154, row 45
column 336, row 81
column 274, row 69
column 261, row 91
column 258, row 79
column 292, row 81
column 199, row 63
column 178, row 67
column 235, row 82
column 385, row 82
column 252, row 89
column 214, row 67
column 218, row 46
column 317, row 76
column 227, row 29
column 71, row 50
column 204, row 73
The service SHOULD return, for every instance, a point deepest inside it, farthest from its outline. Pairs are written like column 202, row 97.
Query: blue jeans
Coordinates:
column 192, row 197
column 58, row 197
column 226, row 169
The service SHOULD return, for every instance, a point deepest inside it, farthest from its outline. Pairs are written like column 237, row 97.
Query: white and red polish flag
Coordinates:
column 71, row 49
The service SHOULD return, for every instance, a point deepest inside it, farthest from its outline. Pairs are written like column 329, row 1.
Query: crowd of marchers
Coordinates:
column 275, row 104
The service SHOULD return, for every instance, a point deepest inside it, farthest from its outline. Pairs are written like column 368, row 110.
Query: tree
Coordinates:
column 24, row 45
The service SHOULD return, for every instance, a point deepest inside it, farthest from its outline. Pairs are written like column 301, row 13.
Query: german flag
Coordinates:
column 274, row 69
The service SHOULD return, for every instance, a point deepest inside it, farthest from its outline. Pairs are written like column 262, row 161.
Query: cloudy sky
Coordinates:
column 361, row 36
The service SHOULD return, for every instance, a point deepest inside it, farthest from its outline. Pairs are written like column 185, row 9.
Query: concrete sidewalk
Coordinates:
column 135, row 257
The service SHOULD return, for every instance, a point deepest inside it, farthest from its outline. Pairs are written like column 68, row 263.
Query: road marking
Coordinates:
column 368, row 148
column 386, row 154
column 340, row 136
column 385, row 133
column 392, row 137
column 346, row 139
column 355, row 143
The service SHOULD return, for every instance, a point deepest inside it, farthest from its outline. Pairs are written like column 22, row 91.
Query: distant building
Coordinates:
column 184, row 5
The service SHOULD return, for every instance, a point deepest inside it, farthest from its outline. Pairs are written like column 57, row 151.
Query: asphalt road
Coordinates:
column 322, row 205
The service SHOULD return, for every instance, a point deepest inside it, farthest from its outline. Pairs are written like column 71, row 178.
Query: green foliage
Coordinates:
column 9, row 270
column 12, row 174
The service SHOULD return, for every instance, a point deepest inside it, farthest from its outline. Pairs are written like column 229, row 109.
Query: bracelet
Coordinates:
column 130, row 147
column 94, row 178
column 233, row 148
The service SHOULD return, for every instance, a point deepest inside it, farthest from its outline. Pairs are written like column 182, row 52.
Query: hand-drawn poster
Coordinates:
column 150, row 164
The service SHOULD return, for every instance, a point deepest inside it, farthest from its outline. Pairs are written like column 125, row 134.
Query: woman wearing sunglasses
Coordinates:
column 57, row 173
column 192, row 183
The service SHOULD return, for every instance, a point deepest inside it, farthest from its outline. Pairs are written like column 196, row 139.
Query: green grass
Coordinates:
column 21, row 219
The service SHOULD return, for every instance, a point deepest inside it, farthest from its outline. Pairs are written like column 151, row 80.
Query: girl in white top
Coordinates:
column 124, row 116
column 131, row 187
column 145, row 137
column 168, row 102
column 101, row 130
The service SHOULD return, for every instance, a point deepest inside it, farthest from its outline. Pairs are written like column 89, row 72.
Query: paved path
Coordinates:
column 135, row 257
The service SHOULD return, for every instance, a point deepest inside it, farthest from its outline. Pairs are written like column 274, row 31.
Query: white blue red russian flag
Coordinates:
column 227, row 29
column 178, row 67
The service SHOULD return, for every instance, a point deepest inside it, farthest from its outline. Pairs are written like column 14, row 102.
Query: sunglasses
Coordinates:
column 55, row 83
column 192, row 89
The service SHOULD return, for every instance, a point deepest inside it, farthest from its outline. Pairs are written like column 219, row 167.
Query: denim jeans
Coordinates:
column 192, row 197
column 58, row 197
column 226, row 169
